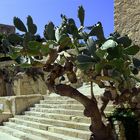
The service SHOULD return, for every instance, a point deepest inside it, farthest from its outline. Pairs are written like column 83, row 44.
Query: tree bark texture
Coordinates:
column 101, row 130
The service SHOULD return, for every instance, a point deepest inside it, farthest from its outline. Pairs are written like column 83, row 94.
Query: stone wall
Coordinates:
column 127, row 18
column 14, row 105
column 4, row 117
column 127, row 22
column 25, row 85
column 7, row 29
column 17, row 104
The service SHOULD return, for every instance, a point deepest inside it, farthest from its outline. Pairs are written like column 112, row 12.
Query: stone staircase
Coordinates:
column 54, row 118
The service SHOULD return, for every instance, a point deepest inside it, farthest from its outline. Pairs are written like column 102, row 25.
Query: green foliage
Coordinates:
column 58, row 34
column 84, row 65
column 72, row 28
column 101, row 54
column 5, row 47
column 64, row 41
column 84, row 58
column 108, row 44
column 98, row 67
column 34, row 47
column 1, row 111
column 120, row 113
column 49, row 32
column 129, row 121
column 109, row 59
column 19, row 24
column 25, row 65
column 91, row 45
column 81, row 15
column 32, row 28
column 16, row 52
column 124, row 40
column 62, row 38
column 136, row 62
column 131, row 50
column 112, row 57
column 97, row 30
column 85, row 62
column 15, row 39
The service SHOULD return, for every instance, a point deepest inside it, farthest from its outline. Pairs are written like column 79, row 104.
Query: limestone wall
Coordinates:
column 4, row 117
column 25, row 85
column 127, row 18
column 6, row 29
column 17, row 104
column 127, row 21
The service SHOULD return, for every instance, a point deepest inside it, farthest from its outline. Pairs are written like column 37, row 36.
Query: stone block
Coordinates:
column 25, row 85
column 7, row 29
column 4, row 117
column 17, row 104
column 127, row 18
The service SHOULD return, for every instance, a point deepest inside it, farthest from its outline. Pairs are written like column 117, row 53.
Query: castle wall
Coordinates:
column 127, row 18
column 7, row 29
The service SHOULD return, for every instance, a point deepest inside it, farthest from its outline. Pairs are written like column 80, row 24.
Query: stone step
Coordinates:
column 69, row 106
column 44, row 122
column 29, row 123
column 70, row 101
column 5, row 136
column 58, row 111
column 18, row 134
column 61, row 130
column 58, row 97
column 71, row 132
column 44, row 135
column 56, row 116
column 65, row 111
column 63, row 106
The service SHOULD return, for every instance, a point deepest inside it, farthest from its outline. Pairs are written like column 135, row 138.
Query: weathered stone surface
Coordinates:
column 7, row 29
column 4, row 117
column 4, row 136
column 25, row 85
column 5, row 102
column 127, row 18
column 17, row 104
column 127, row 21
column 63, row 119
column 21, row 103
column 5, row 87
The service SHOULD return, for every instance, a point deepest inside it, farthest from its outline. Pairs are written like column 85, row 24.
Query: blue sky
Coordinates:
column 43, row 11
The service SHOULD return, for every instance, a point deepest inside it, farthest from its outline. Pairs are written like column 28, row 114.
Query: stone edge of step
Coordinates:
column 42, row 132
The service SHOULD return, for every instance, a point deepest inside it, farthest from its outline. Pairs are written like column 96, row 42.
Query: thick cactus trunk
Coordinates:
column 101, row 130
